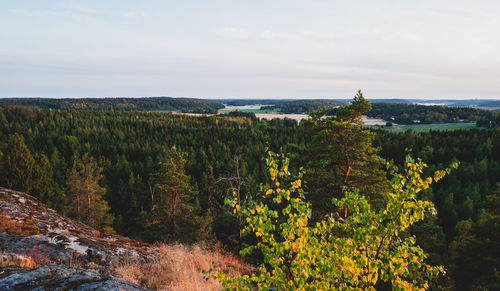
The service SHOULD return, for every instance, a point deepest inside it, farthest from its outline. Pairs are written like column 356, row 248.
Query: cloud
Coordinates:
column 233, row 32
column 267, row 34
column 20, row 11
column 74, row 11
column 134, row 14
column 84, row 9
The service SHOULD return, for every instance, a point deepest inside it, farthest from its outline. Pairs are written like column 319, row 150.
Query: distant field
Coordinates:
column 271, row 114
column 369, row 122
column 428, row 127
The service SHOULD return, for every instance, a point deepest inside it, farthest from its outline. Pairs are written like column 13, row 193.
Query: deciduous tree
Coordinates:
column 366, row 250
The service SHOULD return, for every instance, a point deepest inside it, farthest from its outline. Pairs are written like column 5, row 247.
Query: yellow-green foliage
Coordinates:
column 354, row 249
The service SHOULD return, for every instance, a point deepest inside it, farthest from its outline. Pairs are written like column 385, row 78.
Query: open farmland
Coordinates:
column 271, row 114
column 429, row 127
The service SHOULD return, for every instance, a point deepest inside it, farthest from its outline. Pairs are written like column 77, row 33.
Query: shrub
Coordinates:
column 356, row 248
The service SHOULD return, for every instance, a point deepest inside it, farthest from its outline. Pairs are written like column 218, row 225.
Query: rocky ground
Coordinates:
column 29, row 228
column 73, row 255
column 61, row 277
column 43, row 250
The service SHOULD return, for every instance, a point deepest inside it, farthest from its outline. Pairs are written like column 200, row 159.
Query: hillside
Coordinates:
column 33, row 235
column 58, row 239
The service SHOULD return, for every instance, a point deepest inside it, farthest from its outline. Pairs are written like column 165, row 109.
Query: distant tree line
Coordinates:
column 128, row 104
column 243, row 102
column 400, row 113
column 413, row 113
column 491, row 104
column 303, row 106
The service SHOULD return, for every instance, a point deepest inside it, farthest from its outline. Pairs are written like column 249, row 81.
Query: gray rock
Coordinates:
column 60, row 277
column 55, row 239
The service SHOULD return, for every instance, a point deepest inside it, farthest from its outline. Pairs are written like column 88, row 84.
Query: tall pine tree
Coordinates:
column 17, row 165
column 87, row 201
column 175, row 203
column 340, row 154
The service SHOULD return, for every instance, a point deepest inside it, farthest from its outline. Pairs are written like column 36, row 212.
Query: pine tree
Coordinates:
column 44, row 186
column 174, row 201
column 475, row 251
column 87, row 202
column 17, row 165
column 340, row 154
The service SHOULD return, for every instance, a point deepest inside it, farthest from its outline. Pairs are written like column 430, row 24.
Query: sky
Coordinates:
column 250, row 49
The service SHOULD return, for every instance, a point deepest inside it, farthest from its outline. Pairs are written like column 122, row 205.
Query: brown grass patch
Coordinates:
column 17, row 228
column 5, row 197
column 8, row 260
column 178, row 268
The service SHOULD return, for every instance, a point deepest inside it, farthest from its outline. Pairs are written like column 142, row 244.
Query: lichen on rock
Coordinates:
column 29, row 228
column 61, row 277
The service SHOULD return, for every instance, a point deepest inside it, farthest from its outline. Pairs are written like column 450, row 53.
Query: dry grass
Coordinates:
column 16, row 228
column 8, row 260
column 178, row 268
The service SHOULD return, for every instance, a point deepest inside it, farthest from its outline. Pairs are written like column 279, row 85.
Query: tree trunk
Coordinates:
column 89, row 205
column 240, row 234
column 78, row 206
column 174, row 220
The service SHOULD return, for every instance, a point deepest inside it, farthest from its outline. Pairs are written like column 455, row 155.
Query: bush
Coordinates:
column 356, row 248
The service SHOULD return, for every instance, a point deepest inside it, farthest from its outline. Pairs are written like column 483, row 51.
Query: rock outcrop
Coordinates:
column 30, row 229
column 61, row 277
column 73, row 256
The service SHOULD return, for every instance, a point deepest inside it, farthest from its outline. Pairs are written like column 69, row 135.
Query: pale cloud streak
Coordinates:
column 267, row 34
column 233, row 32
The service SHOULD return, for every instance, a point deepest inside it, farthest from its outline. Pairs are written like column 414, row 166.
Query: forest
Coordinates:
column 129, row 104
column 162, row 177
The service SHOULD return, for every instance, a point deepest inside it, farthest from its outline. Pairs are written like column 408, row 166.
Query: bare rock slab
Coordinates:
column 61, row 277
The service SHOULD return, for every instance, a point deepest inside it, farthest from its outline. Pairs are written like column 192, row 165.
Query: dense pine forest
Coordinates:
column 163, row 177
